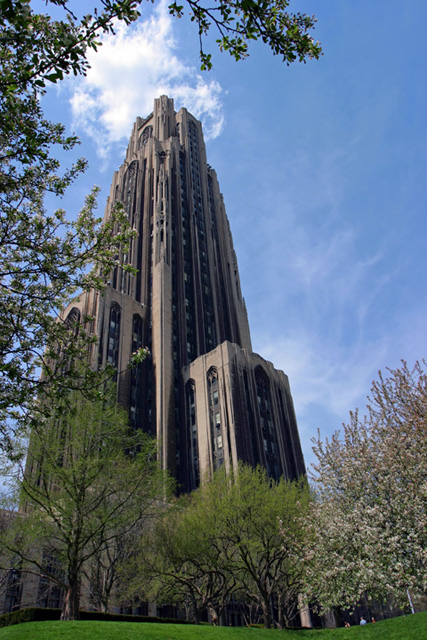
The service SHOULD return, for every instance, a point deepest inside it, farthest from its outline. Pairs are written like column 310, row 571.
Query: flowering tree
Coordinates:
column 368, row 528
column 45, row 257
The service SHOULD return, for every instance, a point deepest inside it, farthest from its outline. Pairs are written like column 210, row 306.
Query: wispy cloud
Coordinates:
column 335, row 377
column 328, row 287
column 129, row 70
column 327, row 381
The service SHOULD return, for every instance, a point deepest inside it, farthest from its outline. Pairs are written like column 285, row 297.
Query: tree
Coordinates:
column 241, row 21
column 40, row 269
column 88, row 482
column 234, row 536
column 10, row 574
column 45, row 259
column 262, row 519
column 188, row 560
column 369, row 524
column 103, row 571
column 48, row 49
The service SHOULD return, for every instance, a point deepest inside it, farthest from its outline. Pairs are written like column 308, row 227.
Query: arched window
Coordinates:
column 73, row 320
column 217, row 443
column 13, row 584
column 290, row 459
column 135, row 398
column 145, row 135
column 271, row 449
column 114, row 335
column 129, row 188
column 192, row 439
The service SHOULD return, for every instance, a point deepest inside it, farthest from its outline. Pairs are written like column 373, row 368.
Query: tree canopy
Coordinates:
column 88, row 484
column 47, row 49
column 46, row 257
column 238, row 22
column 234, row 537
column 369, row 524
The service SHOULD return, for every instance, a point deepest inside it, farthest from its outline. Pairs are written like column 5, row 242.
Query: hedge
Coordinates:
column 37, row 614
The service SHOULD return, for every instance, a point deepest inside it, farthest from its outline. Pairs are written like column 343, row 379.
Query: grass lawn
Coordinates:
column 411, row 627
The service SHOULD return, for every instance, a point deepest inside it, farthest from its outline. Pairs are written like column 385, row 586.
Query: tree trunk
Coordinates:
column 280, row 613
column 214, row 616
column 266, row 612
column 70, row 606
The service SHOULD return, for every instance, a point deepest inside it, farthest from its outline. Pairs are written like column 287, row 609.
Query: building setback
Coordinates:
column 203, row 393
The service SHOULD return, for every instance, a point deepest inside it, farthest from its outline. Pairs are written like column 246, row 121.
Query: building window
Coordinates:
column 272, row 459
column 73, row 320
column 192, row 439
column 49, row 594
column 290, row 458
column 145, row 136
column 72, row 323
column 12, row 601
column 136, row 375
column 114, row 335
column 215, row 419
column 129, row 187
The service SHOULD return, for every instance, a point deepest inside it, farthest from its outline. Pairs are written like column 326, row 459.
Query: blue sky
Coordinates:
column 323, row 171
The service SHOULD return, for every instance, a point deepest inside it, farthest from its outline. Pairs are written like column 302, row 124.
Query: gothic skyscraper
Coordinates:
column 203, row 393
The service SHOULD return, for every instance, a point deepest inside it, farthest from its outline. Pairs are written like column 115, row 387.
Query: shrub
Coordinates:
column 37, row 614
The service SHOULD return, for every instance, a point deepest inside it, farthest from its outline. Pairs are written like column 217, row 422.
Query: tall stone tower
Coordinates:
column 203, row 393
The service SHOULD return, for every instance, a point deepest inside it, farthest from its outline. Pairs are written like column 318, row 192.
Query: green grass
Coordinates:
column 412, row 627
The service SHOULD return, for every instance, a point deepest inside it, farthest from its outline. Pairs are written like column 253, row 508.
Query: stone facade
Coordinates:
column 204, row 394
column 185, row 305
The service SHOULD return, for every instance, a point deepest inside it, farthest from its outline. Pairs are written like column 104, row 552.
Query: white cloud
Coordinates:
column 132, row 68
column 321, row 373
column 327, row 381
